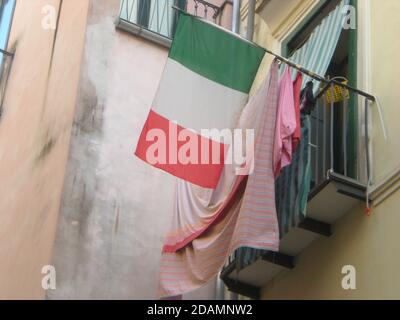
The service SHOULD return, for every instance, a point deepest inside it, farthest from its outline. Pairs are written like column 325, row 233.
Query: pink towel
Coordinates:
column 297, row 85
column 209, row 224
column 285, row 124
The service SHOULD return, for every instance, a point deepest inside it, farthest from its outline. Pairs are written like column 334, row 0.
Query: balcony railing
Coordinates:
column 5, row 67
column 339, row 181
column 156, row 19
column 333, row 145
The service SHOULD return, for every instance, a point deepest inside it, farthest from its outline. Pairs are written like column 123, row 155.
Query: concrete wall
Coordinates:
column 115, row 208
column 274, row 20
column 34, row 140
column 383, row 78
column 370, row 244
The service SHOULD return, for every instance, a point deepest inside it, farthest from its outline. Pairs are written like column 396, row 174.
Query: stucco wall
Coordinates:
column 274, row 19
column 371, row 245
column 385, row 48
column 34, row 140
column 115, row 208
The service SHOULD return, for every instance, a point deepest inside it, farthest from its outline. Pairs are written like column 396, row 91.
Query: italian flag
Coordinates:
column 205, row 85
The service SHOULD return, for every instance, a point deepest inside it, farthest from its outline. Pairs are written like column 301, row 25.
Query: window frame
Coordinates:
column 352, row 76
column 5, row 56
column 4, row 46
column 142, row 25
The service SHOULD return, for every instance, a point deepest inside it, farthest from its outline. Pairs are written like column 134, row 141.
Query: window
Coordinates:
column 156, row 20
column 337, row 148
column 156, row 16
column 6, row 15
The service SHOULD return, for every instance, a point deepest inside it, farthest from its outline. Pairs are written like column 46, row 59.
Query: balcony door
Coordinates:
column 334, row 133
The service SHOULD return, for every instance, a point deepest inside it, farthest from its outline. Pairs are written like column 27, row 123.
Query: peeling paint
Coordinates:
column 100, row 253
column 115, row 209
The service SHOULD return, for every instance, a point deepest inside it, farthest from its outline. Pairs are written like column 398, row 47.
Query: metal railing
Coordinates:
column 156, row 15
column 334, row 138
column 5, row 67
column 159, row 17
column 207, row 10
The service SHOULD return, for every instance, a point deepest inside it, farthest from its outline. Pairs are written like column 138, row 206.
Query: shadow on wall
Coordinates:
column 112, row 217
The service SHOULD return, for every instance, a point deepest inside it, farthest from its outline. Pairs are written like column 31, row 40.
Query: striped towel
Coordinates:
column 210, row 224
column 291, row 193
column 293, row 185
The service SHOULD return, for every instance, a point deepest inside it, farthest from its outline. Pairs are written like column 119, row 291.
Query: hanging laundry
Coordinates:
column 291, row 192
column 285, row 124
column 308, row 100
column 297, row 85
column 293, row 184
column 208, row 224
column 205, row 86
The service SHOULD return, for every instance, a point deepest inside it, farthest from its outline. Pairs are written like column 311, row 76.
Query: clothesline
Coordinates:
column 328, row 83
column 305, row 71
column 288, row 62
column 217, row 211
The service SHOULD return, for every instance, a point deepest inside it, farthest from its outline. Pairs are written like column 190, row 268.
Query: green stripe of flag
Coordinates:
column 215, row 54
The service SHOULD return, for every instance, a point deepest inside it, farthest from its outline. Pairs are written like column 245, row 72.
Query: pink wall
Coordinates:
column 35, row 131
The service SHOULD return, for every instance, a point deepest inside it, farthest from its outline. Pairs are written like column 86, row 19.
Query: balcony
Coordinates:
column 156, row 19
column 338, row 183
column 5, row 67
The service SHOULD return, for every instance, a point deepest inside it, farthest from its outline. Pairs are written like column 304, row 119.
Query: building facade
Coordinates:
column 359, row 245
column 82, row 79
column 77, row 81
column 35, row 129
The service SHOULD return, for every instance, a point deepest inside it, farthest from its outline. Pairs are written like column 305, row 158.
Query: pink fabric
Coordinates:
column 209, row 225
column 187, row 202
column 285, row 124
column 297, row 84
